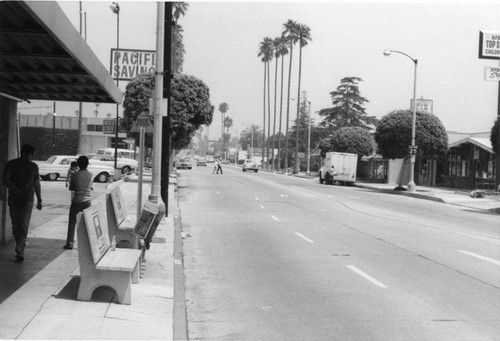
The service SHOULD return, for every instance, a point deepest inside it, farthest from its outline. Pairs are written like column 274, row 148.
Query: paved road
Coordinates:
column 56, row 201
column 271, row 257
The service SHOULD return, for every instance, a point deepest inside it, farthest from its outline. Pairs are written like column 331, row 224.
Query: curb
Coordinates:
column 391, row 191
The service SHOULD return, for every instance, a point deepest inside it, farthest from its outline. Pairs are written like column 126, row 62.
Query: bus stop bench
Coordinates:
column 120, row 223
column 99, row 264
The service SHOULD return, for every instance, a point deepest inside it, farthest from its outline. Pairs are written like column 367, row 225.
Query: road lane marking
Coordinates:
column 257, row 198
column 274, row 218
column 366, row 276
column 262, row 206
column 304, row 237
column 491, row 260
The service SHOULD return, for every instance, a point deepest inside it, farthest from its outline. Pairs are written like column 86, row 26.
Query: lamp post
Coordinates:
column 308, row 171
column 54, row 127
column 116, row 10
column 413, row 148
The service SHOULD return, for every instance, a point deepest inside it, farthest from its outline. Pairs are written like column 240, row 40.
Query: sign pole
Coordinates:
column 141, row 169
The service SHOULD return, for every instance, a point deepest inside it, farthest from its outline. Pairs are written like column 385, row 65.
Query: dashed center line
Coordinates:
column 304, row 237
column 274, row 218
column 366, row 276
column 257, row 198
column 491, row 260
column 262, row 206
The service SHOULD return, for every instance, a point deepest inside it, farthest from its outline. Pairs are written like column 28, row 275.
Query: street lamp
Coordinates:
column 308, row 171
column 116, row 10
column 413, row 148
column 54, row 127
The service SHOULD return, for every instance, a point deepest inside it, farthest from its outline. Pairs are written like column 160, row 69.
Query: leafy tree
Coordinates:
column 393, row 134
column 348, row 107
column 494, row 138
column 190, row 106
column 351, row 140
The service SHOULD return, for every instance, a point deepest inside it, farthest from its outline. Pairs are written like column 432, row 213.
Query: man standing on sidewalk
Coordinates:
column 22, row 179
column 81, row 185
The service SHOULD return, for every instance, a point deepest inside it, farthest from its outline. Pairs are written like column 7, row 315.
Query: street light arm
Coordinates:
column 388, row 52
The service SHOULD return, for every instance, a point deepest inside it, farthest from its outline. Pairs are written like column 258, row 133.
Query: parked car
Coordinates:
column 127, row 166
column 250, row 164
column 57, row 166
column 184, row 164
column 201, row 163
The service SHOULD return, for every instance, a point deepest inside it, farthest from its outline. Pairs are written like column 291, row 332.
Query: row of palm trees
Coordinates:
column 278, row 48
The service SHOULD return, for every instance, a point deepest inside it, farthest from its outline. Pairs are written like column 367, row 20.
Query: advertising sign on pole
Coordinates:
column 108, row 126
column 489, row 45
column 492, row 73
column 127, row 64
column 424, row 105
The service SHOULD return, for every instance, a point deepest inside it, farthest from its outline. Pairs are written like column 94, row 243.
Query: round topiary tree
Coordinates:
column 190, row 106
column 355, row 140
column 393, row 135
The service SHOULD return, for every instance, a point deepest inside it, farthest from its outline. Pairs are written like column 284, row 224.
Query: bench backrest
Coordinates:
column 118, row 205
column 93, row 222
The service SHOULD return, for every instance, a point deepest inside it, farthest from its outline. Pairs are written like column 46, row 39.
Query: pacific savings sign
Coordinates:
column 126, row 64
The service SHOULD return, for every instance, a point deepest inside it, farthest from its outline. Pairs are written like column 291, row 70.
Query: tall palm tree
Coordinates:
column 178, row 9
column 265, row 51
column 250, row 135
column 228, row 123
column 281, row 51
column 291, row 38
column 304, row 36
column 223, row 108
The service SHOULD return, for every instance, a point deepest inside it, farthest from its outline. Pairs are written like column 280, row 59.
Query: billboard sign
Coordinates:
column 492, row 74
column 489, row 45
column 108, row 126
column 127, row 64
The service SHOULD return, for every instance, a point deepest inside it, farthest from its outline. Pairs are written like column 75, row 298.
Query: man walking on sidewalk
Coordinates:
column 22, row 179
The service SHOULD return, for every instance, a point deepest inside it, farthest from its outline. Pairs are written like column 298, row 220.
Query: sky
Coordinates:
column 348, row 39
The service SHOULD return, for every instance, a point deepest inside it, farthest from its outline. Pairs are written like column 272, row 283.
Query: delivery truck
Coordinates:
column 338, row 168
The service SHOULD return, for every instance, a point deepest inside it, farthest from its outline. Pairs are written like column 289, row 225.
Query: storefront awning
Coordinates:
column 43, row 57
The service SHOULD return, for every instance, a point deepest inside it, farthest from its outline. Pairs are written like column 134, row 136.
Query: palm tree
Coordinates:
column 291, row 38
column 223, row 108
column 281, row 51
column 228, row 123
column 178, row 9
column 265, row 51
column 250, row 135
column 304, row 36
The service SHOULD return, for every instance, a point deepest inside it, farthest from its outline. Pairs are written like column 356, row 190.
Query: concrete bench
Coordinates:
column 99, row 265
column 120, row 223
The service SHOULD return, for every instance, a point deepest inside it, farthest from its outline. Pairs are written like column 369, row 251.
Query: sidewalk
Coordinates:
column 490, row 203
column 38, row 296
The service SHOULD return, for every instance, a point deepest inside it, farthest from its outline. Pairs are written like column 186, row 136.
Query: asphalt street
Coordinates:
column 272, row 257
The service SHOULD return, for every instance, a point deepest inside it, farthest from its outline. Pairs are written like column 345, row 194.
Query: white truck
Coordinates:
column 338, row 167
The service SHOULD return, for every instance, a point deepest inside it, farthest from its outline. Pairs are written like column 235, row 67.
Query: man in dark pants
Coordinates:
column 81, row 185
column 22, row 179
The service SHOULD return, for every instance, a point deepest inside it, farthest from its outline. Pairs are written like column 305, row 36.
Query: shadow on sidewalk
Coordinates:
column 101, row 294
column 38, row 254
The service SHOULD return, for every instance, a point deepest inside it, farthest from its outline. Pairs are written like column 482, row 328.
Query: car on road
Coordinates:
column 127, row 166
column 184, row 164
column 56, row 166
column 201, row 163
column 250, row 164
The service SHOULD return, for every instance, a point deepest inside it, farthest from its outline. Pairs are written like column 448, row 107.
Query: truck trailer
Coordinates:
column 338, row 167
